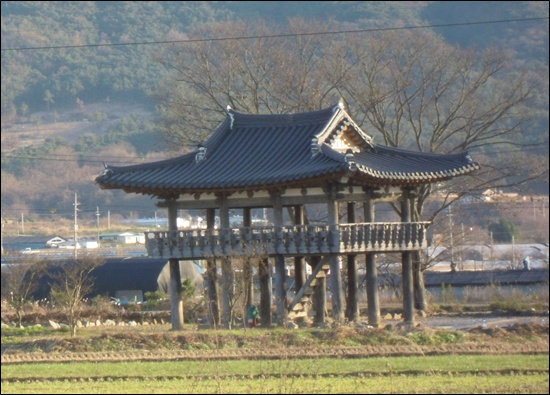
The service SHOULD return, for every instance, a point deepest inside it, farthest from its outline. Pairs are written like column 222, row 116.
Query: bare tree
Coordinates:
column 266, row 75
column 238, row 286
column 72, row 282
column 19, row 282
column 408, row 88
column 420, row 93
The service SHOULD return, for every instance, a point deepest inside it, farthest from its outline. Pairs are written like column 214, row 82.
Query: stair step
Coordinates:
column 297, row 314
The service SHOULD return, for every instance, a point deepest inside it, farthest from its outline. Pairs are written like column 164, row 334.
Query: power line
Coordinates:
column 135, row 160
column 74, row 159
column 193, row 40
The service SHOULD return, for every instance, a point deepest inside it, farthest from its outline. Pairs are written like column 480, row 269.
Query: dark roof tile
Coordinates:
column 249, row 151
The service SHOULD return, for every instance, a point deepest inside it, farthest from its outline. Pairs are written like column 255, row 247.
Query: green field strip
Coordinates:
column 406, row 384
column 319, row 366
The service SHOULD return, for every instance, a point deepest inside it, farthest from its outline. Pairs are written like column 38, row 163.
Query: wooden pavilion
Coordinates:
column 286, row 162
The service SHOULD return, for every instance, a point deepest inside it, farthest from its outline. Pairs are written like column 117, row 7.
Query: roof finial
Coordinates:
column 229, row 109
column 342, row 104
column 201, row 154
column 106, row 169
column 315, row 147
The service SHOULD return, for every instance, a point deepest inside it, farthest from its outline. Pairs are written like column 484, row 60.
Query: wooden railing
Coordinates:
column 288, row 240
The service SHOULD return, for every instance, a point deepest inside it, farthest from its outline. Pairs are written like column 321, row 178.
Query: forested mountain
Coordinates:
column 81, row 68
column 78, row 61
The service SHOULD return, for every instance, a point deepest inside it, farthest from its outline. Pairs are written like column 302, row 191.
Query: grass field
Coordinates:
column 430, row 374
column 504, row 356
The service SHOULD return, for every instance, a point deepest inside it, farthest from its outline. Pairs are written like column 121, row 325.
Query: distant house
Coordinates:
column 88, row 243
column 131, row 238
column 124, row 238
column 69, row 245
column 108, row 236
column 494, row 194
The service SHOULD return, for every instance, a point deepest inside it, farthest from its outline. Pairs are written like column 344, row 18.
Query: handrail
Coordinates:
column 293, row 240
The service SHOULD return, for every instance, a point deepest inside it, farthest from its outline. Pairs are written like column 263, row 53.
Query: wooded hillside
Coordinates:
column 81, row 80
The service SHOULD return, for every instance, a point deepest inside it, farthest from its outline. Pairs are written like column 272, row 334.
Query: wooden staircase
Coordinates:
column 298, row 306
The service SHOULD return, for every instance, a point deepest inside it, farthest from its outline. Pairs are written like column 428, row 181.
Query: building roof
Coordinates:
column 486, row 277
column 132, row 273
column 467, row 278
column 252, row 152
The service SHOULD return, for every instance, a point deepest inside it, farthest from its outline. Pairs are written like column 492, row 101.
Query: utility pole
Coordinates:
column 2, row 235
column 75, row 223
column 108, row 219
column 97, row 223
column 462, row 247
column 513, row 252
column 22, row 225
column 451, row 232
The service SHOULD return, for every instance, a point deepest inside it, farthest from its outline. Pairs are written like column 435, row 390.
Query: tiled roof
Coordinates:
column 256, row 151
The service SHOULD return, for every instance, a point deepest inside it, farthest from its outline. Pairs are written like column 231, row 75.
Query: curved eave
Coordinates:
column 394, row 165
column 291, row 182
column 416, row 177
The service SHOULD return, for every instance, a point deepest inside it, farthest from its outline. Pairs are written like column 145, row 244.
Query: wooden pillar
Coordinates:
column 299, row 261
column 212, row 275
column 266, row 296
column 335, row 274
column 319, row 295
column 176, row 290
column 373, row 302
column 227, row 270
column 280, row 272
column 407, row 275
column 352, row 302
column 247, row 269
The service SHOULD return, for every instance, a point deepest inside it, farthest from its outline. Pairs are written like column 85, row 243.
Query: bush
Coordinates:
column 156, row 300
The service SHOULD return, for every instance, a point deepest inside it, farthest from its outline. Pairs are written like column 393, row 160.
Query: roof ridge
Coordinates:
column 241, row 118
